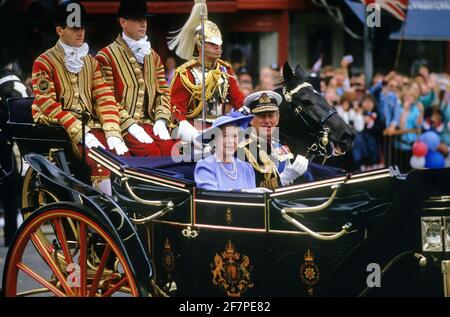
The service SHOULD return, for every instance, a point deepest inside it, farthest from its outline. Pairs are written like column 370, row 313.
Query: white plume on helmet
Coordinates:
column 183, row 39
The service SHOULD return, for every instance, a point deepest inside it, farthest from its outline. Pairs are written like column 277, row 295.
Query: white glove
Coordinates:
column 160, row 129
column 186, row 132
column 115, row 143
column 139, row 133
column 293, row 171
column 244, row 110
column 92, row 141
column 257, row 190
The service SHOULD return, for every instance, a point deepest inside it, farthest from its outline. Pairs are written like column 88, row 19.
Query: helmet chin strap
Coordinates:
column 213, row 56
column 198, row 42
column 210, row 58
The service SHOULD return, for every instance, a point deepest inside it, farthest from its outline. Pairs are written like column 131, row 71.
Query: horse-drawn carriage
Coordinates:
column 372, row 233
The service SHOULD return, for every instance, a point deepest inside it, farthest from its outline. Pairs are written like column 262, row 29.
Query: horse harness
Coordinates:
column 318, row 148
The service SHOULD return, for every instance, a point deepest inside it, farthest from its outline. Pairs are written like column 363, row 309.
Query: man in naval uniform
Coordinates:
column 135, row 73
column 221, row 87
column 270, row 159
column 66, row 71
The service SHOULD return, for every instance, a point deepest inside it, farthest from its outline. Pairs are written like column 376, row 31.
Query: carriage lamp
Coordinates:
column 432, row 234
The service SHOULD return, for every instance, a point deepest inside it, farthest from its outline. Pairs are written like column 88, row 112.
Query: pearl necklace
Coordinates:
column 231, row 174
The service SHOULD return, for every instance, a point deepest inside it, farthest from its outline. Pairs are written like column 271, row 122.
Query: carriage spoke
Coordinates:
column 33, row 292
column 95, row 279
column 100, row 269
column 82, row 259
column 74, row 229
column 50, row 262
column 60, row 233
column 115, row 287
column 40, row 279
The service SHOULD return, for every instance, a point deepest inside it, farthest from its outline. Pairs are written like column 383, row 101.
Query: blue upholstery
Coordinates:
column 318, row 172
column 165, row 166
column 20, row 110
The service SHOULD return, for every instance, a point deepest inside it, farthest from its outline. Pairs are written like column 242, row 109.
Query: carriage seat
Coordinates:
column 183, row 167
column 32, row 137
column 163, row 166
column 19, row 110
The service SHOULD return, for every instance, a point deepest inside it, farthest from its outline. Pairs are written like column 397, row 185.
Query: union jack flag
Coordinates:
column 396, row 7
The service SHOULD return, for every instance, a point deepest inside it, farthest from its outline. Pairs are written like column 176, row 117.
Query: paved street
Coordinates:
column 3, row 250
column 32, row 260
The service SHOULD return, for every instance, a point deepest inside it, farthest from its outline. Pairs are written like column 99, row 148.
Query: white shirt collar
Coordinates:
column 73, row 57
column 140, row 48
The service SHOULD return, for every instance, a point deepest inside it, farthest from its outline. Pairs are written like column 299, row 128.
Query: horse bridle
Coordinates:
column 318, row 148
column 4, row 173
column 8, row 78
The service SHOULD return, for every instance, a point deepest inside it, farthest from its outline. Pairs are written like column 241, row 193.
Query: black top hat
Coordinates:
column 132, row 9
column 65, row 14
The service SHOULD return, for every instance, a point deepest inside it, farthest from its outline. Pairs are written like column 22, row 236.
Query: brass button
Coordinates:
column 141, row 93
column 76, row 95
column 137, row 116
column 100, row 170
column 137, row 70
column 73, row 80
column 79, row 126
column 138, row 104
column 132, row 60
column 98, row 165
column 141, row 81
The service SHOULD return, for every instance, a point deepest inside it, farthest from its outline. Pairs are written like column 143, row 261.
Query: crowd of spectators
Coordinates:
column 388, row 114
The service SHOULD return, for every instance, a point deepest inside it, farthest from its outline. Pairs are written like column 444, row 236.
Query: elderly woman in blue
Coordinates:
column 222, row 170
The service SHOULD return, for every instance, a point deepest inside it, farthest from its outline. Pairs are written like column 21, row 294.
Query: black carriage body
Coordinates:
column 42, row 139
column 317, row 238
column 240, row 244
column 31, row 137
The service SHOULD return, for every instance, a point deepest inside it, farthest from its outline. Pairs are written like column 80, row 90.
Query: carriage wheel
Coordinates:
column 36, row 195
column 95, row 264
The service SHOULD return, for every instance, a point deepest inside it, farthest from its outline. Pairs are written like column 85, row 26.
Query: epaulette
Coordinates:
column 227, row 65
column 185, row 66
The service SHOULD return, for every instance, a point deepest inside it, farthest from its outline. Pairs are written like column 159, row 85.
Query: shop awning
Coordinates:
column 426, row 20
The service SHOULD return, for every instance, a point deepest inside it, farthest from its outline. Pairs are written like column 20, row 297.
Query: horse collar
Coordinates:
column 289, row 94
